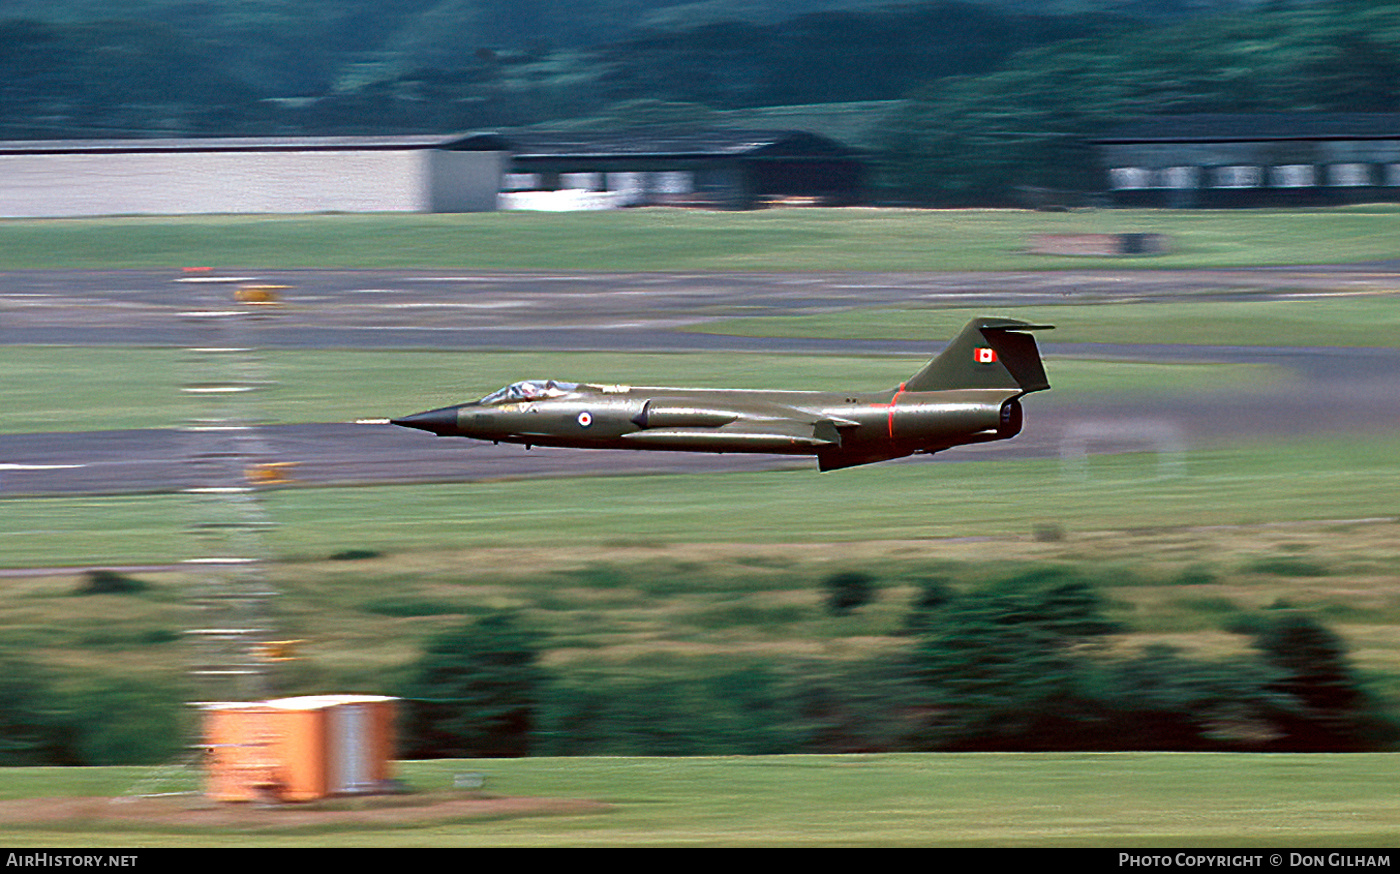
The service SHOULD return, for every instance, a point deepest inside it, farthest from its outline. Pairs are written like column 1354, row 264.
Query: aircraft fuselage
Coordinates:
column 970, row 393
column 882, row 425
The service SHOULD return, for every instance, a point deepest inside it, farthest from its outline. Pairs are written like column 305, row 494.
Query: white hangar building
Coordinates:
column 65, row 178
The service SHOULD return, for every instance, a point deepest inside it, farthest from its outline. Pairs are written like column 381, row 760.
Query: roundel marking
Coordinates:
column 585, row 419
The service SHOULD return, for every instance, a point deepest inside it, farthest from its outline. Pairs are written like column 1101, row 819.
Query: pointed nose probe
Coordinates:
column 440, row 422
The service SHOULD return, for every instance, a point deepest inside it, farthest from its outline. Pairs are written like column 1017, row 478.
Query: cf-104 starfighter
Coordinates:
column 968, row 393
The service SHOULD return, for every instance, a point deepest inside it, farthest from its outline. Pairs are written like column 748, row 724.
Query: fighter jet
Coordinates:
column 968, row 393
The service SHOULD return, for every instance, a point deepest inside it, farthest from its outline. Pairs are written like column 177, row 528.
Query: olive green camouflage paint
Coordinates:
column 969, row 393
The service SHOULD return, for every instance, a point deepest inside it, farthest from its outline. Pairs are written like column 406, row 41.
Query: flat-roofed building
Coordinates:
column 731, row 169
column 60, row 178
column 1281, row 159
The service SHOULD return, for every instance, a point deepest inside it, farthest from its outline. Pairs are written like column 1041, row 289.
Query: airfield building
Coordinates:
column 462, row 173
column 726, row 169
column 1294, row 159
column 243, row 175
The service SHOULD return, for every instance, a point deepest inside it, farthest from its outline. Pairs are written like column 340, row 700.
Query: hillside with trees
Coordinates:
column 959, row 102
column 79, row 68
column 979, row 139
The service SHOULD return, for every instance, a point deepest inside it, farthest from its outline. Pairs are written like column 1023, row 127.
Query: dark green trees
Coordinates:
column 475, row 691
column 988, row 139
column 1025, row 661
column 1004, row 668
column 1330, row 711
column 847, row 591
column 1018, row 665
column 34, row 727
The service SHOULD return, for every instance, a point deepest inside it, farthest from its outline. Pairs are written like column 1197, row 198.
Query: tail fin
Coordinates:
column 987, row 353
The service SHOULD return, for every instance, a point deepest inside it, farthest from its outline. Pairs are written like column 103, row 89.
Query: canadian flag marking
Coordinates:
column 986, row 355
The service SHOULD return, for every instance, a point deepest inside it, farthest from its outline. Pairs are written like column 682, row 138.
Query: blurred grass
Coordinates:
column 680, row 612
column 442, row 544
column 1345, row 322
column 82, row 388
column 667, row 239
column 1305, row 479
column 1094, row 800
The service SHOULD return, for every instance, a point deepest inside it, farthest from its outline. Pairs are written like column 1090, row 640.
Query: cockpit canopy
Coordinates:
column 529, row 390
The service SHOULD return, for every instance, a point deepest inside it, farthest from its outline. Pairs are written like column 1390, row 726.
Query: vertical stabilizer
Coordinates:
column 987, row 353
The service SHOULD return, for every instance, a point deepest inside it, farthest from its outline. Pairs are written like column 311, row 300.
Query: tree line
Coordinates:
column 1026, row 663
column 988, row 99
column 396, row 68
column 984, row 139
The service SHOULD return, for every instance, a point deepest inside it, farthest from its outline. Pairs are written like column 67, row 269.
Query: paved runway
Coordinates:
column 115, row 462
column 433, row 309
column 423, row 309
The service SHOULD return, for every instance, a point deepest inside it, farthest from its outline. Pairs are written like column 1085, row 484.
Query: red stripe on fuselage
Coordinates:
column 897, row 392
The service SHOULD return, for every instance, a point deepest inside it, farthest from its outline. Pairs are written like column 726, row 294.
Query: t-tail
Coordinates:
column 987, row 353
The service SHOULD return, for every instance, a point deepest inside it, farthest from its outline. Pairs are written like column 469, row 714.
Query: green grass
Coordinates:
column 1315, row 479
column 638, row 570
column 1346, row 322
column 1320, row 479
column 1124, row 800
column 667, row 610
column 82, row 388
column 665, row 240
column 51, row 388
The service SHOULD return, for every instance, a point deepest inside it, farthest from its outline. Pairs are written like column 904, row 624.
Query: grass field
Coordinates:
column 1315, row 479
column 664, row 576
column 1370, row 319
column 1114, row 800
column 686, row 240
column 41, row 387
column 669, row 575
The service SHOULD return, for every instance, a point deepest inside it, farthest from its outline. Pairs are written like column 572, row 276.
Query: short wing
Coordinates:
column 772, row 428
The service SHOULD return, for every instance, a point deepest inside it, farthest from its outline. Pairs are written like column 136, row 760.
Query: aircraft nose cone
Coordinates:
column 440, row 422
